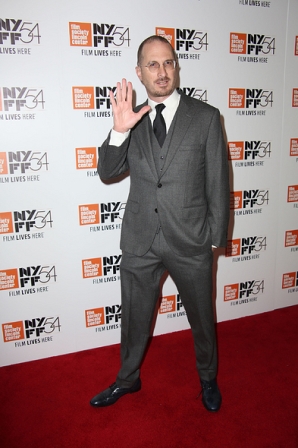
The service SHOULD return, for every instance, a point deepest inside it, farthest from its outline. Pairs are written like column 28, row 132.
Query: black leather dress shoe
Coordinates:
column 211, row 396
column 113, row 393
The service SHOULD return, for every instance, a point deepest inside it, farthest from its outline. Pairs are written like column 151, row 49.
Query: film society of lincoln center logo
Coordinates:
column 17, row 35
column 86, row 158
column 252, row 47
column 295, row 97
column 290, row 281
column 293, row 195
column 24, row 224
column 31, row 331
column 291, row 239
column 249, row 153
column 294, row 148
column 188, row 43
column 104, row 39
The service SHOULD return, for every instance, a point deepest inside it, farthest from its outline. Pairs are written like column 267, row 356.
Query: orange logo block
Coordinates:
column 168, row 304
column 89, row 214
column 238, row 43
column 293, row 193
column 236, row 98
column 294, row 147
column 288, row 280
column 296, row 46
column 83, row 97
column 233, row 248
column 92, row 267
column 231, row 292
column 295, row 98
column 6, row 224
column 86, row 158
column 167, row 33
column 80, row 34
column 13, row 331
column 235, row 200
column 236, row 150
column 94, row 317
column 291, row 238
column 3, row 163
column 9, row 279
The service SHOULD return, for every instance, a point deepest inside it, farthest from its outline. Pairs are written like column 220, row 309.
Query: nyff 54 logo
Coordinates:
column 250, row 98
column 25, row 221
column 248, row 199
column 19, row 32
column 99, row 36
column 188, row 40
column 28, row 276
column 249, row 150
column 21, row 161
column 194, row 92
column 252, row 44
column 247, row 245
column 243, row 290
column 39, row 326
column 21, row 99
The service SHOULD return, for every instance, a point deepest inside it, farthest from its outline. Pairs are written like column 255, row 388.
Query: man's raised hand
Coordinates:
column 124, row 116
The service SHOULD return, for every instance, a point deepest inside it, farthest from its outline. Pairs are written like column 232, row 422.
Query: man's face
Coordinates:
column 161, row 84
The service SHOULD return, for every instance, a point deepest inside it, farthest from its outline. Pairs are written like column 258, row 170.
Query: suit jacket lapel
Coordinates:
column 181, row 124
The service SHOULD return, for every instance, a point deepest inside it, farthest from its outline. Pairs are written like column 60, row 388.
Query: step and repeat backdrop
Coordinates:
column 60, row 224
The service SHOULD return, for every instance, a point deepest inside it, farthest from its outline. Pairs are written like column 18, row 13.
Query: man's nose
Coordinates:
column 162, row 71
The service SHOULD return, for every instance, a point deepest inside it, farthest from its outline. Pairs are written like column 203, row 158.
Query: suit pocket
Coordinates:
column 189, row 148
column 195, row 212
column 132, row 206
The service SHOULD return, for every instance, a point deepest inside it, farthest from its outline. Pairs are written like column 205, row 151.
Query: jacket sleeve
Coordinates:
column 217, row 182
column 112, row 160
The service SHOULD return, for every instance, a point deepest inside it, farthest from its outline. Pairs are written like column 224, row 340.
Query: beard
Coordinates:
column 157, row 91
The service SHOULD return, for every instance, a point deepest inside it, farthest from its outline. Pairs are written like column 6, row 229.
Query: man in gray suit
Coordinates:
column 176, row 214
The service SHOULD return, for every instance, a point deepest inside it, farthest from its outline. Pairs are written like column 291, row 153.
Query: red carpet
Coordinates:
column 46, row 403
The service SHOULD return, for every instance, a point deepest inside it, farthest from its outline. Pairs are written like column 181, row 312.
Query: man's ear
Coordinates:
column 139, row 72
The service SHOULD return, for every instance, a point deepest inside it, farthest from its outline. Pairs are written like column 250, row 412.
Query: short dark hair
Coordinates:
column 154, row 38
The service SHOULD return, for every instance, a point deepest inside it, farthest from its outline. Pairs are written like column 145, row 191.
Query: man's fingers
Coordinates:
column 143, row 111
column 129, row 92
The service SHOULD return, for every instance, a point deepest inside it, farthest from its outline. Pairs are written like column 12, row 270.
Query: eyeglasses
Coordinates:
column 154, row 66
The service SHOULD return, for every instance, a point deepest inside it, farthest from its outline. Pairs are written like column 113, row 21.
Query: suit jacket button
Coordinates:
column 156, row 211
column 159, row 185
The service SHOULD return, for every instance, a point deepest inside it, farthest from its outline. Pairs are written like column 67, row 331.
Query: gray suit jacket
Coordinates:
column 190, row 199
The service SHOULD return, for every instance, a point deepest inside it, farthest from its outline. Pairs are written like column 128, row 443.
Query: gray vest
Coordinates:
column 159, row 154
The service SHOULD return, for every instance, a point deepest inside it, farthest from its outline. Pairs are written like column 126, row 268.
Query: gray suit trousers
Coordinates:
column 140, row 288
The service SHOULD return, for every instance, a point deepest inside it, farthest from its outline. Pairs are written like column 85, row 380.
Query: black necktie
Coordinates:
column 159, row 125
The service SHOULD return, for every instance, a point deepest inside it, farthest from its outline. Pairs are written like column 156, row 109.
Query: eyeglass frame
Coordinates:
column 156, row 69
